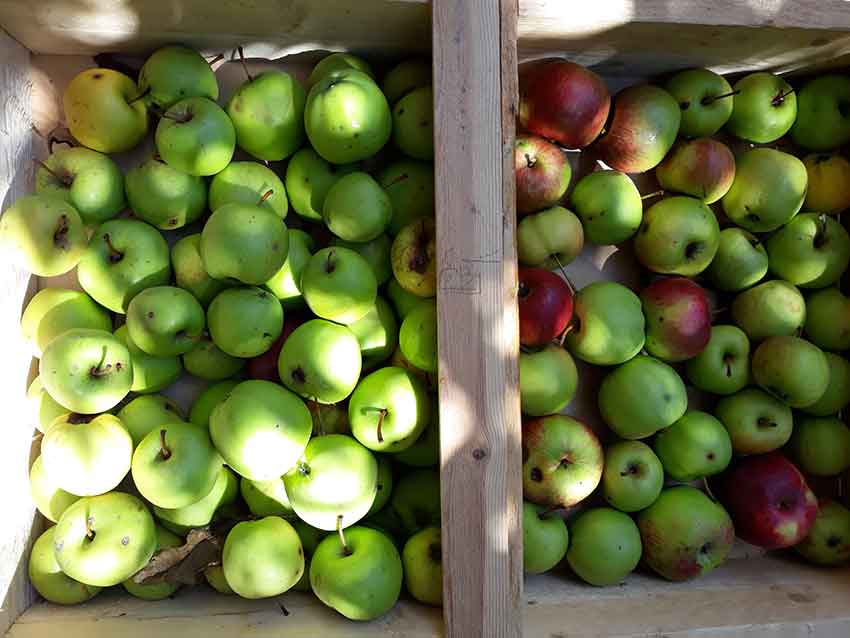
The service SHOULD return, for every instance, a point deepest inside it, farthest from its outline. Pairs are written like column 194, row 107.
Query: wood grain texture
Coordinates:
column 475, row 73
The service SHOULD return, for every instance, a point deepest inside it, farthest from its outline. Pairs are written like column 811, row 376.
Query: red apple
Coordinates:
column 678, row 318
column 545, row 306
column 703, row 168
column 562, row 101
column 264, row 366
column 542, row 174
column 768, row 500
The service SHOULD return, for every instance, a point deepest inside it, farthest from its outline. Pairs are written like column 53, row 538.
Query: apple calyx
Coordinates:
column 345, row 548
column 303, row 468
column 266, row 195
column 241, row 52
column 779, row 99
column 631, row 469
column 298, row 375
column 536, row 474
column 727, row 364
column 709, row 99
column 764, row 422
column 60, row 235
column 115, row 255
column 693, row 250
column 164, row 450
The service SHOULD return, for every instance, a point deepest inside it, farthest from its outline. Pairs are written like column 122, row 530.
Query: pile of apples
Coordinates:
column 728, row 368
column 309, row 460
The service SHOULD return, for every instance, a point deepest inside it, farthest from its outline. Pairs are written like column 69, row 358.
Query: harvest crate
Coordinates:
column 475, row 46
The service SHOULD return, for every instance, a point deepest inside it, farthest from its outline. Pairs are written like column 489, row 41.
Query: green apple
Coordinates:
column 165, row 321
column 388, row 522
column 245, row 321
column 757, row 422
column 422, row 558
column 50, row 499
column 792, row 369
column 262, row 558
column 632, row 477
column 705, row 99
column 123, row 258
column 837, row 394
column 337, row 62
column 769, row 189
column 308, row 179
column 820, row 445
column 156, row 591
column 376, row 252
column 266, row 498
column 261, row 429
column 356, row 208
column 404, row 77
column 251, row 184
column 740, row 262
column 414, row 257
column 321, row 361
column 103, row 110
column 43, row 234
column 410, row 186
column 609, row 324
column 347, row 118
column 550, row 238
column 268, row 114
column 86, row 371
column 694, row 447
column 416, row 500
column 147, row 413
column 164, row 196
column 286, row 282
column 214, row 575
column 49, row 580
column 385, row 485
column 425, row 452
column 206, row 361
column 723, row 367
column 772, row 309
column 417, row 337
column 196, row 136
column 403, row 300
column 609, row 206
column 172, row 73
column 547, row 380
column 182, row 520
column 605, row 546
column 175, row 465
column 811, row 251
column 359, row 574
column 823, row 119
column 90, row 181
column 103, row 540
column 150, row 374
column 828, row 542
column 338, row 284
column 764, row 108
column 208, row 400
column 44, row 407
column 189, row 271
column 377, row 333
column 679, row 235
column 828, row 319
column 544, row 539
column 413, row 123
column 53, row 311
column 334, row 483
column 641, row 397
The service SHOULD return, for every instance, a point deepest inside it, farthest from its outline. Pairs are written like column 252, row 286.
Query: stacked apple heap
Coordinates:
column 764, row 351
column 309, row 462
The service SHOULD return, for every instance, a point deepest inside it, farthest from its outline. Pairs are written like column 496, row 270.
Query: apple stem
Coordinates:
column 397, row 180
column 244, row 64
column 345, row 548
column 217, row 58
column 89, row 530
column 329, row 267
column 115, row 255
column 156, row 157
column 657, row 193
column 780, row 98
column 55, row 140
column 67, row 181
column 382, row 412
column 820, row 235
column 97, row 371
column 144, row 93
column 164, row 452
column 564, row 334
column 266, row 195
column 60, row 235
column 708, row 99
column 564, row 273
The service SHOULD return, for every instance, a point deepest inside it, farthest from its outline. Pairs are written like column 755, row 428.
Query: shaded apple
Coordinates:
column 820, row 445
column 828, row 542
column 791, row 369
column 756, row 421
column 678, row 318
column 837, row 395
column 823, row 113
column 772, row 309
column 545, row 306
column 547, row 380
column 811, row 251
column 829, row 183
column 828, row 319
column 609, row 206
column 723, row 367
column 740, row 261
column 633, row 476
column 549, row 239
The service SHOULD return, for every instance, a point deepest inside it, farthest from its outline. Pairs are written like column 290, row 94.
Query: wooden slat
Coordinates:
column 474, row 68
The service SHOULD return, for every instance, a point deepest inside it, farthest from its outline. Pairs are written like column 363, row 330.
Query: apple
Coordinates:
column 86, row 371
column 695, row 446
column 245, row 321
column 356, row 208
column 641, row 396
column 172, row 73
column 643, row 128
column 632, row 477
column 334, row 483
column 266, row 498
column 819, row 445
column 103, row 540
column 260, row 429
column 757, row 422
column 678, row 318
column 150, row 374
column 685, row 534
column 337, row 62
column 823, row 116
column 268, row 115
column 837, row 395
column 388, row 522
column 828, row 542
column 206, row 361
column 562, row 461
column 562, row 101
column 43, row 234
column 90, row 181
column 678, row 236
column 791, row 369
column 605, row 546
column 165, row 321
column 769, row 189
column 740, row 261
column 103, row 110
column 403, row 301
column 609, row 324
column 549, row 239
column 723, row 367
column 53, row 311
column 609, row 206
column 377, row 333
column 764, row 108
column 410, row 186
column 163, row 196
column 545, row 306
column 45, row 409
column 189, row 271
column 544, row 539
column 768, row 499
column 414, row 257
column 413, row 126
column 308, row 179
column 208, row 400
column 542, row 173
column 423, row 566
column 811, row 251
column 49, row 580
column 123, row 258
column 286, row 282
column 338, row 284
column 703, row 168
column 385, row 485
column 358, row 573
column 147, row 413
column 547, row 380
column 196, row 136
column 772, row 309
column 214, row 575
column 416, row 500
column 417, row 337
column 251, row 184
column 704, row 98
column 827, row 319
column 404, row 77
column 829, row 183
column 160, row 590
column 50, row 499
column 262, row 558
